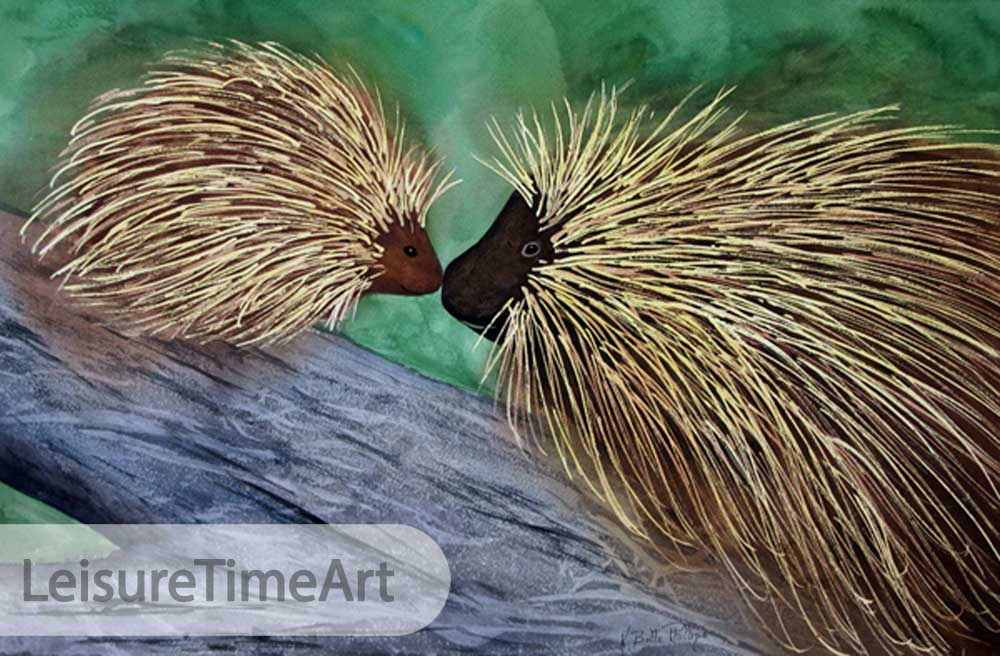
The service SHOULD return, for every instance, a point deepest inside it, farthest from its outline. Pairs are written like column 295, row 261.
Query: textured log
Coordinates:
column 117, row 430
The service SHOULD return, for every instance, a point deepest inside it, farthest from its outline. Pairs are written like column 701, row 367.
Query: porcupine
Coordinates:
column 780, row 348
column 241, row 193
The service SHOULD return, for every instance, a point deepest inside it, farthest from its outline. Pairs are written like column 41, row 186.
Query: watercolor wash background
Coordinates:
column 452, row 64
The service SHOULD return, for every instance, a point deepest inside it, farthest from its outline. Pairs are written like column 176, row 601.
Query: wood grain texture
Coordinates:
column 118, row 430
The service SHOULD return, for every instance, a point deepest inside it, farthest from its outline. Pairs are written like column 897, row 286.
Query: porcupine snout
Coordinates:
column 463, row 295
column 480, row 281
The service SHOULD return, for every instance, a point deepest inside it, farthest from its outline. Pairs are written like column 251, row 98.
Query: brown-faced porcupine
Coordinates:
column 242, row 193
column 781, row 348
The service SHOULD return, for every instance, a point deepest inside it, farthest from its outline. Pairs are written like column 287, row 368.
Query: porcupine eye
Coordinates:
column 531, row 249
column 410, row 251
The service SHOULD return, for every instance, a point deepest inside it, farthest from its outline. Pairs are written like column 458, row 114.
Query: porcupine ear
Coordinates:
column 262, row 192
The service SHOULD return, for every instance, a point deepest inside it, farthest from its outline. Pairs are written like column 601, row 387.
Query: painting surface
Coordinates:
column 452, row 65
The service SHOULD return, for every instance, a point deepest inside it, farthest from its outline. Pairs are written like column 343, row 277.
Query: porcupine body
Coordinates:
column 241, row 193
column 782, row 348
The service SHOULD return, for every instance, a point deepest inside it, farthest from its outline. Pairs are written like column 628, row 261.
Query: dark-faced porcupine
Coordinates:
column 782, row 348
column 242, row 193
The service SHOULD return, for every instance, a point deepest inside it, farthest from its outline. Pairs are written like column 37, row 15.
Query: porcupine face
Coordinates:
column 409, row 265
column 480, row 282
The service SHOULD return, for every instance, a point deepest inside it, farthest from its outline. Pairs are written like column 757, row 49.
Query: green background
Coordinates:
column 66, row 540
column 452, row 63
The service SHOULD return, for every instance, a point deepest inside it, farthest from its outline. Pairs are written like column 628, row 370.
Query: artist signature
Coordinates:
column 669, row 633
